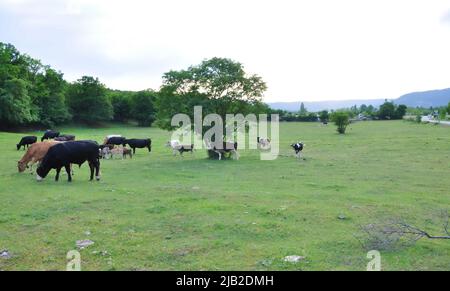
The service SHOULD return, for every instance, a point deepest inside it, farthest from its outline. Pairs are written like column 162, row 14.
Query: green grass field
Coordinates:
column 159, row 212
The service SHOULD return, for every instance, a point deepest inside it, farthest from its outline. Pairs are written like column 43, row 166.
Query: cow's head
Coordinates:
column 21, row 166
column 41, row 173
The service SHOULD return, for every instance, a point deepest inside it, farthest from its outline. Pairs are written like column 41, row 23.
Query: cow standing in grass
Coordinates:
column 139, row 143
column 64, row 154
column 298, row 148
column 115, row 140
column 179, row 148
column 49, row 134
column 222, row 148
column 26, row 141
column 35, row 154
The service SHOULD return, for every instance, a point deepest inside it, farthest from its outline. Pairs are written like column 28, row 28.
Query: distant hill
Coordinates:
column 425, row 99
column 324, row 105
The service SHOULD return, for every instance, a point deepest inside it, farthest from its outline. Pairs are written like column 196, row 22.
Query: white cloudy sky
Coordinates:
column 304, row 50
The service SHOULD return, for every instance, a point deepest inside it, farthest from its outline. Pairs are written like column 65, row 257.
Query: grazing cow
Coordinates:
column 72, row 152
column 223, row 148
column 115, row 140
column 34, row 154
column 139, row 143
column 298, row 147
column 49, row 134
column 263, row 143
column 65, row 137
column 26, row 141
column 177, row 147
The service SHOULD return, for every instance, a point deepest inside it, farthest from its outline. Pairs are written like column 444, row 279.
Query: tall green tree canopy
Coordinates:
column 15, row 103
column 220, row 85
column 88, row 100
column 142, row 109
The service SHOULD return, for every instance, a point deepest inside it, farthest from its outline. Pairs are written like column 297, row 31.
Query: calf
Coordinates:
column 26, row 141
column 72, row 152
column 139, row 143
column 65, row 137
column 127, row 152
column 34, row 154
column 49, row 134
column 263, row 143
column 298, row 147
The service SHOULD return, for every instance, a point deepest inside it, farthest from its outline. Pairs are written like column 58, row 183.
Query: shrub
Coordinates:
column 342, row 120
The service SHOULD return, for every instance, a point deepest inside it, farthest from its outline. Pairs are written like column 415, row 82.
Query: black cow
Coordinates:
column 298, row 147
column 139, row 143
column 26, row 141
column 64, row 137
column 72, row 152
column 49, row 134
column 116, row 141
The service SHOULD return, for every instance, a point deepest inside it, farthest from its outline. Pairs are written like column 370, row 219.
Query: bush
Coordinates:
column 342, row 120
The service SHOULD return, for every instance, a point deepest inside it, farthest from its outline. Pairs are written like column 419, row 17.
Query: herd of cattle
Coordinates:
column 62, row 151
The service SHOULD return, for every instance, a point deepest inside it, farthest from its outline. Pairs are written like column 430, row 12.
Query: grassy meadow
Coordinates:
column 160, row 212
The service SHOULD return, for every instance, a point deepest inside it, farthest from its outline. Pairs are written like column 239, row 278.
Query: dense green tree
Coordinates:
column 15, row 103
column 50, row 98
column 219, row 85
column 324, row 116
column 448, row 108
column 387, row 111
column 121, row 103
column 341, row 119
column 143, row 110
column 303, row 110
column 400, row 111
column 88, row 100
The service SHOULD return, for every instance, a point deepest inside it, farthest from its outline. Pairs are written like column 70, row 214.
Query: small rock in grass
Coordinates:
column 195, row 188
column 5, row 254
column 82, row 244
column 293, row 259
column 87, row 233
column 342, row 217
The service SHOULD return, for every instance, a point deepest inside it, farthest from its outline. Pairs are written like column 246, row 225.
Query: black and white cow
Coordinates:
column 26, row 141
column 65, row 137
column 139, row 143
column 115, row 140
column 220, row 149
column 49, row 134
column 298, row 147
column 73, row 152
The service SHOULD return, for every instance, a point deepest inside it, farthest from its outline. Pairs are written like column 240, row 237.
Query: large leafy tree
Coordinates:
column 387, row 111
column 88, row 100
column 220, row 85
column 142, row 108
column 15, row 103
column 50, row 98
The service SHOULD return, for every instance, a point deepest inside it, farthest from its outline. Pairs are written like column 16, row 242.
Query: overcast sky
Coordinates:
column 304, row 50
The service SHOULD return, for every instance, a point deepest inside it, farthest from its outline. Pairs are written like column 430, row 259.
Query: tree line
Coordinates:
column 33, row 94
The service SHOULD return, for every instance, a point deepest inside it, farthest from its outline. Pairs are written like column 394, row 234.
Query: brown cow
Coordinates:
column 34, row 154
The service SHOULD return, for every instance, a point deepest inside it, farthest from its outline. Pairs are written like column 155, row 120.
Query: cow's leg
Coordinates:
column 134, row 151
column 91, row 167
column 69, row 172
column 97, row 170
column 58, row 170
